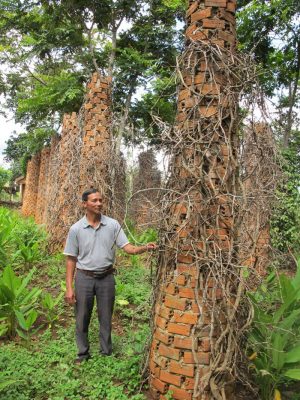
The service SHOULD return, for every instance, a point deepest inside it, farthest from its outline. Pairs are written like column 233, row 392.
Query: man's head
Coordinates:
column 92, row 201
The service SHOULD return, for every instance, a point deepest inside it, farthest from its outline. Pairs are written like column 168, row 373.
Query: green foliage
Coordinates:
column 20, row 147
column 132, row 290
column 271, row 30
column 22, row 242
column 50, row 308
column 17, row 302
column 285, row 223
column 4, row 177
column 7, row 224
column 47, row 370
column 274, row 339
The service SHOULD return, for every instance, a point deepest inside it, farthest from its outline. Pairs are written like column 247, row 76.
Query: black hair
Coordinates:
column 86, row 193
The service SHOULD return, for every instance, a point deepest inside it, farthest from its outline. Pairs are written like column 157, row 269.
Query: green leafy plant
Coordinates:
column 25, row 330
column 16, row 301
column 50, row 308
column 28, row 254
column 275, row 336
column 6, row 228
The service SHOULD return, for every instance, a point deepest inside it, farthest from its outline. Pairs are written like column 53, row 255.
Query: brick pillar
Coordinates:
column 192, row 352
column 31, row 188
column 145, row 203
column 42, row 186
column 96, row 153
column 260, row 171
column 63, row 197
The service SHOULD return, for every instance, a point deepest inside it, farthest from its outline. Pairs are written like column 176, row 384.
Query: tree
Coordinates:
column 271, row 30
column 4, row 178
column 51, row 48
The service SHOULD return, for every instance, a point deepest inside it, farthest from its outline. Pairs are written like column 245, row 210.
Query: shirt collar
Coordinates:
column 86, row 223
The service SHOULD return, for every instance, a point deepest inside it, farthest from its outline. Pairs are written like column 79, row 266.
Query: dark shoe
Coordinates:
column 80, row 360
column 105, row 354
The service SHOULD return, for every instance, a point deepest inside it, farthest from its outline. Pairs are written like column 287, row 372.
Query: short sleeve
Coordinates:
column 71, row 247
column 121, row 238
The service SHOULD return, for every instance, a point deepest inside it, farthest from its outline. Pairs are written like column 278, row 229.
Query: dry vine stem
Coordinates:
column 200, row 311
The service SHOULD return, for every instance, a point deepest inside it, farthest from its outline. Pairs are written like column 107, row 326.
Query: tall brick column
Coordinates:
column 96, row 152
column 261, row 175
column 63, row 196
column 145, row 203
column 31, row 188
column 42, row 186
column 195, row 317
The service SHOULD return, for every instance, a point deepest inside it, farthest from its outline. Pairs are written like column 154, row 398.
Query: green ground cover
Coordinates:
column 39, row 363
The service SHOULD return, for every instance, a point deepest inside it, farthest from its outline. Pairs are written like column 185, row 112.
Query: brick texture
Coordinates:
column 187, row 335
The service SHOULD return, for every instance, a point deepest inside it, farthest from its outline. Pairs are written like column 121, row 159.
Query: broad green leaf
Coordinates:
column 278, row 355
column 293, row 355
column 10, row 279
column 21, row 320
column 293, row 374
column 25, row 281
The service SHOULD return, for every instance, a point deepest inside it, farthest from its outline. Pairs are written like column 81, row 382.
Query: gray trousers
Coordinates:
column 86, row 289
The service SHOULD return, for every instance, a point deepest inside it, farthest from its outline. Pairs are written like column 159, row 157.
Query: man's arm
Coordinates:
column 70, row 269
column 131, row 249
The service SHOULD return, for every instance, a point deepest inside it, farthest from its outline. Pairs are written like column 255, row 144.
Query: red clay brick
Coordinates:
column 198, row 35
column 163, row 362
column 170, row 288
column 152, row 366
column 186, row 292
column 209, row 88
column 227, row 16
column 202, row 358
column 192, row 8
column 213, row 23
column 184, row 94
column 179, row 329
column 216, row 3
column 168, row 352
column 175, row 302
column 162, row 337
column 199, row 78
column 231, row 7
column 201, row 14
column 181, row 279
column 170, row 378
column 164, row 312
column 177, row 368
column 159, row 385
column 180, row 394
column 161, row 322
column 205, row 344
column 189, row 384
column 183, row 343
column 183, row 258
column 208, row 111
column 188, row 269
column 185, row 318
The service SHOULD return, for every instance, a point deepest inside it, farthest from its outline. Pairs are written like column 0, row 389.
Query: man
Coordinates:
column 90, row 251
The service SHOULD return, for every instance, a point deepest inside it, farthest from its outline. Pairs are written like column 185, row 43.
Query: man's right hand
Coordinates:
column 70, row 297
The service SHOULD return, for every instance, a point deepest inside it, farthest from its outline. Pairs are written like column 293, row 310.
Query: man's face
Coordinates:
column 94, row 203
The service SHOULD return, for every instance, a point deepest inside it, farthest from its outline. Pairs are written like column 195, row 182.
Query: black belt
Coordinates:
column 98, row 274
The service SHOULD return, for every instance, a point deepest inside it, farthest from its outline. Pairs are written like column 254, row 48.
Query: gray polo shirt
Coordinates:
column 95, row 247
